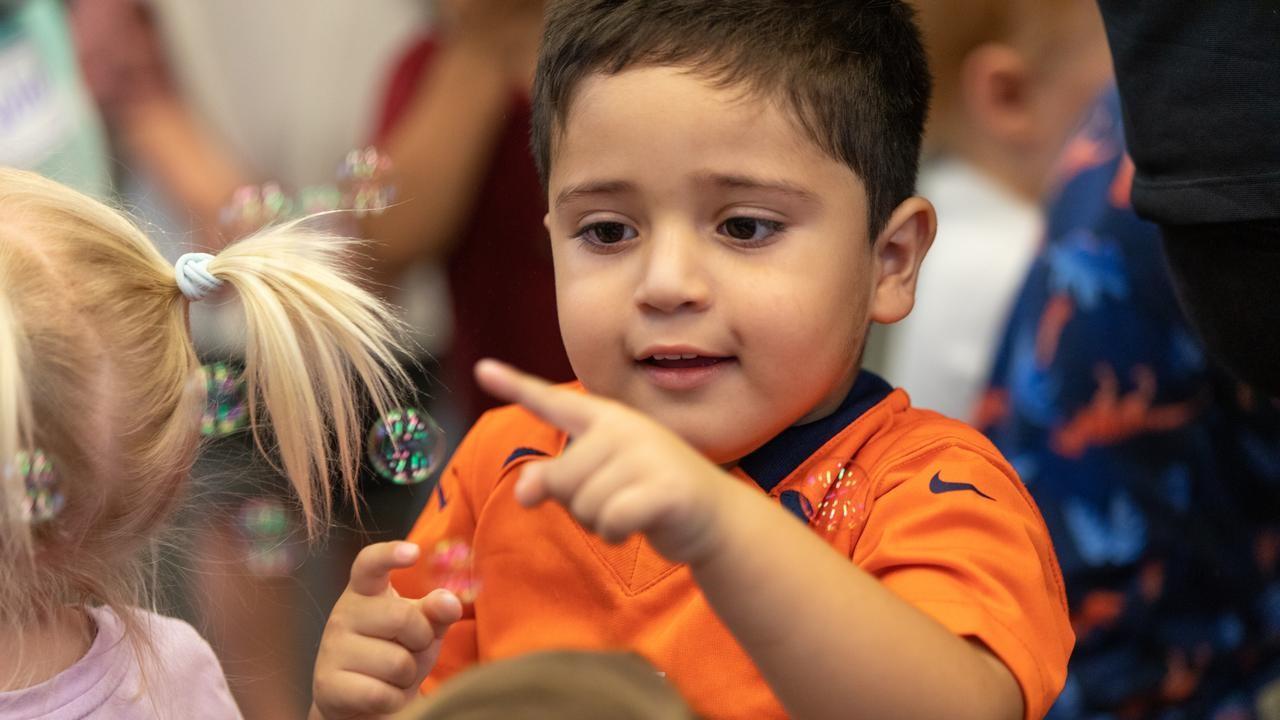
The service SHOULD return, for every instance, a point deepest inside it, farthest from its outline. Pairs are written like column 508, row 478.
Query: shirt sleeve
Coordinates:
column 1198, row 81
column 189, row 681
column 953, row 532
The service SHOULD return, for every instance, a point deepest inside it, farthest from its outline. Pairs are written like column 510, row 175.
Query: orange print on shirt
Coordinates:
column 1110, row 417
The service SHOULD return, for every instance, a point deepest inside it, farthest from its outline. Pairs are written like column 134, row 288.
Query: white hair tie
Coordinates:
column 193, row 276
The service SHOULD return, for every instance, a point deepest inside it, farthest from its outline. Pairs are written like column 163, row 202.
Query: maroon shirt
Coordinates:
column 500, row 276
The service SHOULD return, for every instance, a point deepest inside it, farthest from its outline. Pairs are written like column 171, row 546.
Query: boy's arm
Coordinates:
column 830, row 638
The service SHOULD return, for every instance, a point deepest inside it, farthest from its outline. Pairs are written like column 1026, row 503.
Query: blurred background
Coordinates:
column 1044, row 316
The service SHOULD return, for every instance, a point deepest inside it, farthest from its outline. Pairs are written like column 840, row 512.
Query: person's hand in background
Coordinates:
column 506, row 31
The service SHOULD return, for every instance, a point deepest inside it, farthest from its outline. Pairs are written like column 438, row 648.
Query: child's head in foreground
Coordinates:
column 731, row 201
column 555, row 685
column 99, row 378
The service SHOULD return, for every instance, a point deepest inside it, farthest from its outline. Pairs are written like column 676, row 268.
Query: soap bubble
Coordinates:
column 319, row 199
column 406, row 446
column 263, row 519
column 226, row 405
column 267, row 530
column 253, row 207
column 450, row 566
column 366, row 181
column 43, row 501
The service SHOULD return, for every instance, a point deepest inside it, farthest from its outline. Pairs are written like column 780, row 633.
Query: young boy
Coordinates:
column 730, row 188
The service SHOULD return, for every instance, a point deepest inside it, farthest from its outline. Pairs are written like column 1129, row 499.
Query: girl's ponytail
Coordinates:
column 316, row 345
column 98, row 372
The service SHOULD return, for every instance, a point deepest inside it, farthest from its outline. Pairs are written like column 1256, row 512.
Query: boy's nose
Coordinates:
column 674, row 276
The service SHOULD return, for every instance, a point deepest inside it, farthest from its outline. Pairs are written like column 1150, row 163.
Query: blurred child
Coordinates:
column 557, row 685
column 101, row 398
column 1159, row 474
column 1013, row 78
column 731, row 192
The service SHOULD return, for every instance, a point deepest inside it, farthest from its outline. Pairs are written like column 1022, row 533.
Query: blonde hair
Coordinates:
column 955, row 28
column 98, row 371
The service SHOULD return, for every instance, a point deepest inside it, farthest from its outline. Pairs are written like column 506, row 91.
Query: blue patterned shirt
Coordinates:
column 1158, row 475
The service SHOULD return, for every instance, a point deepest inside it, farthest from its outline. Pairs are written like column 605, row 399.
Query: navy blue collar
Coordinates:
column 778, row 458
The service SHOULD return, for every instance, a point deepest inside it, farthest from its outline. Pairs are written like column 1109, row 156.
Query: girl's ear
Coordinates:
column 898, row 253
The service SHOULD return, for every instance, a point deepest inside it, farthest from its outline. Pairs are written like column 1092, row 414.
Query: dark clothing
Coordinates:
column 1200, row 85
column 1200, row 88
column 1227, row 277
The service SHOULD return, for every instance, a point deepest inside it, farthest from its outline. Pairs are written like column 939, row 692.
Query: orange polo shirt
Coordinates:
column 923, row 503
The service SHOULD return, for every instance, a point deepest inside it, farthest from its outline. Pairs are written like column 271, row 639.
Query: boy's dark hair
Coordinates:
column 853, row 71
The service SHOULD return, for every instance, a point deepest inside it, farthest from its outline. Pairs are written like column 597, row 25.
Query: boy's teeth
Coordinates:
column 686, row 356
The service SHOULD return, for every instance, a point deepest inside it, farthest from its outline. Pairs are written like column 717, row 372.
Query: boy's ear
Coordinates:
column 996, row 83
column 898, row 252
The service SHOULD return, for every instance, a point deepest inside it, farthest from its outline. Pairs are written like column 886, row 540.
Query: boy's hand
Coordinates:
column 377, row 646
column 623, row 473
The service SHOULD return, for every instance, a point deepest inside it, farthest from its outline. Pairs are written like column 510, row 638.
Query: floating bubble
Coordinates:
column 263, row 519
column 226, row 407
column 318, row 199
column 271, row 561
column 43, row 500
column 366, row 181
column 406, row 446
column 266, row 528
column 833, row 496
column 253, row 207
column 450, row 566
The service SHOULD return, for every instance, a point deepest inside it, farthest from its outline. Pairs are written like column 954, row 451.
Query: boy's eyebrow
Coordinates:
column 587, row 189
column 729, row 182
column 746, row 182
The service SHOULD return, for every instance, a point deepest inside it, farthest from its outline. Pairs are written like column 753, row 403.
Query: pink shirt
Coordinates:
column 182, row 678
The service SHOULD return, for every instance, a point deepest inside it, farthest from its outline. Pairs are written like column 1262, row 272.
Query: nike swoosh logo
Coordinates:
column 522, row 452
column 938, row 486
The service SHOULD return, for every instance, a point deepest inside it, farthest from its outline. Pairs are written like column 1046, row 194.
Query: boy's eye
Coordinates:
column 606, row 233
column 749, row 230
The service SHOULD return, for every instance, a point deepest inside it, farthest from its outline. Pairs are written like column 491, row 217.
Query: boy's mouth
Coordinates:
column 683, row 361
column 682, row 369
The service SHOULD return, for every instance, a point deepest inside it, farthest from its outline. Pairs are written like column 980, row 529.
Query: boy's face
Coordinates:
column 712, row 264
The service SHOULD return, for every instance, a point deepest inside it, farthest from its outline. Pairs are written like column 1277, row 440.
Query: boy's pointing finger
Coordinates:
column 569, row 411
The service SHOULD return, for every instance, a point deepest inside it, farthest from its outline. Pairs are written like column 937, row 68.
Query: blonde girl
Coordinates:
column 101, row 397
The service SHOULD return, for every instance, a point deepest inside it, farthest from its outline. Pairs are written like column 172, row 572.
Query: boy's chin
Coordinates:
column 722, row 451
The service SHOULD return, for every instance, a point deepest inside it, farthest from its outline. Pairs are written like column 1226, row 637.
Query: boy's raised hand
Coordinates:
column 378, row 647
column 623, row 473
